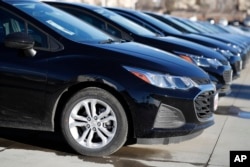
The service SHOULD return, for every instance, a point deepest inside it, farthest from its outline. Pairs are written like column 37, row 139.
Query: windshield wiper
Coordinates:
column 108, row 41
column 159, row 35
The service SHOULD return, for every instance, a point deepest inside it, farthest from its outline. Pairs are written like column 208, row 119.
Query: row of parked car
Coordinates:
column 109, row 77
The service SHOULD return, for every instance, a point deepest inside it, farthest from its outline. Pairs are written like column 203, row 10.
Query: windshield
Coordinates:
column 188, row 28
column 158, row 23
column 129, row 25
column 195, row 25
column 61, row 22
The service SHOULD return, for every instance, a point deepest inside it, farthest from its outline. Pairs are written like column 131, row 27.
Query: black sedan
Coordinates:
column 59, row 73
column 232, row 54
column 215, row 64
column 239, row 42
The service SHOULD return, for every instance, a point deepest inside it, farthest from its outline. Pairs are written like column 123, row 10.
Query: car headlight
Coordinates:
column 206, row 62
column 225, row 53
column 200, row 60
column 162, row 80
column 235, row 47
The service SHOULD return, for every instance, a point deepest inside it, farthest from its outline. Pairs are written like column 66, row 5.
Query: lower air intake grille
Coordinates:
column 204, row 105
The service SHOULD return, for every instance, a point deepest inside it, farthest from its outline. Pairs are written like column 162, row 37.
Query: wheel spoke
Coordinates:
column 93, row 107
column 87, row 109
column 105, row 113
column 83, row 138
column 74, row 132
column 78, row 117
column 76, row 109
column 90, row 138
column 106, row 132
column 77, row 124
column 104, row 138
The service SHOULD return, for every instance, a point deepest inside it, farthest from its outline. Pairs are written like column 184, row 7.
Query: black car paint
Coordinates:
column 166, row 30
column 34, row 89
column 241, row 41
column 237, row 62
column 169, row 44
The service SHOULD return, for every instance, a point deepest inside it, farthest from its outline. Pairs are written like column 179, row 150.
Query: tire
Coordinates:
column 94, row 123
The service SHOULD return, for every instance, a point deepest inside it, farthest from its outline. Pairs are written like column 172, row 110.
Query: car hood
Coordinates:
column 209, row 42
column 174, row 44
column 143, row 56
column 227, row 38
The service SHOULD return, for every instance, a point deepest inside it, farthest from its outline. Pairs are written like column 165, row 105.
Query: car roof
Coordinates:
column 73, row 3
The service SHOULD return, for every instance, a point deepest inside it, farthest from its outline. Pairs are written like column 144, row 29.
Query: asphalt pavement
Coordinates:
column 231, row 132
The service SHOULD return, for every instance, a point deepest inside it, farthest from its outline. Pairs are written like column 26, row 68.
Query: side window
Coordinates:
column 87, row 18
column 114, row 31
column 94, row 21
column 39, row 37
column 10, row 23
column 2, row 32
column 143, row 24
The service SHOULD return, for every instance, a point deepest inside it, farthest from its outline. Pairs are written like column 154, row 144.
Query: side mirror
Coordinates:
column 20, row 40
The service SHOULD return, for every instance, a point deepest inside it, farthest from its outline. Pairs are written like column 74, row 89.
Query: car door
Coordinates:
column 22, row 78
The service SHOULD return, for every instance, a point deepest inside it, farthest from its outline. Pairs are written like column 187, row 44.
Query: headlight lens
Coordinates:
column 162, row 80
column 225, row 53
column 200, row 60
column 235, row 47
column 206, row 62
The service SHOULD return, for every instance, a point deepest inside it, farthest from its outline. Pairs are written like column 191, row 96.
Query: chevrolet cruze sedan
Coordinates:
column 59, row 73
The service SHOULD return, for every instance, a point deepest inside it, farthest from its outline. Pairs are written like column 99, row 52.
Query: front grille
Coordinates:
column 204, row 104
column 227, row 75
column 238, row 66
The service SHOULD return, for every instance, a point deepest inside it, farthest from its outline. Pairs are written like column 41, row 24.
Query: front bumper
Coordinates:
column 224, row 89
column 176, row 116
column 222, row 77
column 237, row 65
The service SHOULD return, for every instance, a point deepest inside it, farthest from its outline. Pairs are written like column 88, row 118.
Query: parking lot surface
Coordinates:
column 211, row 149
